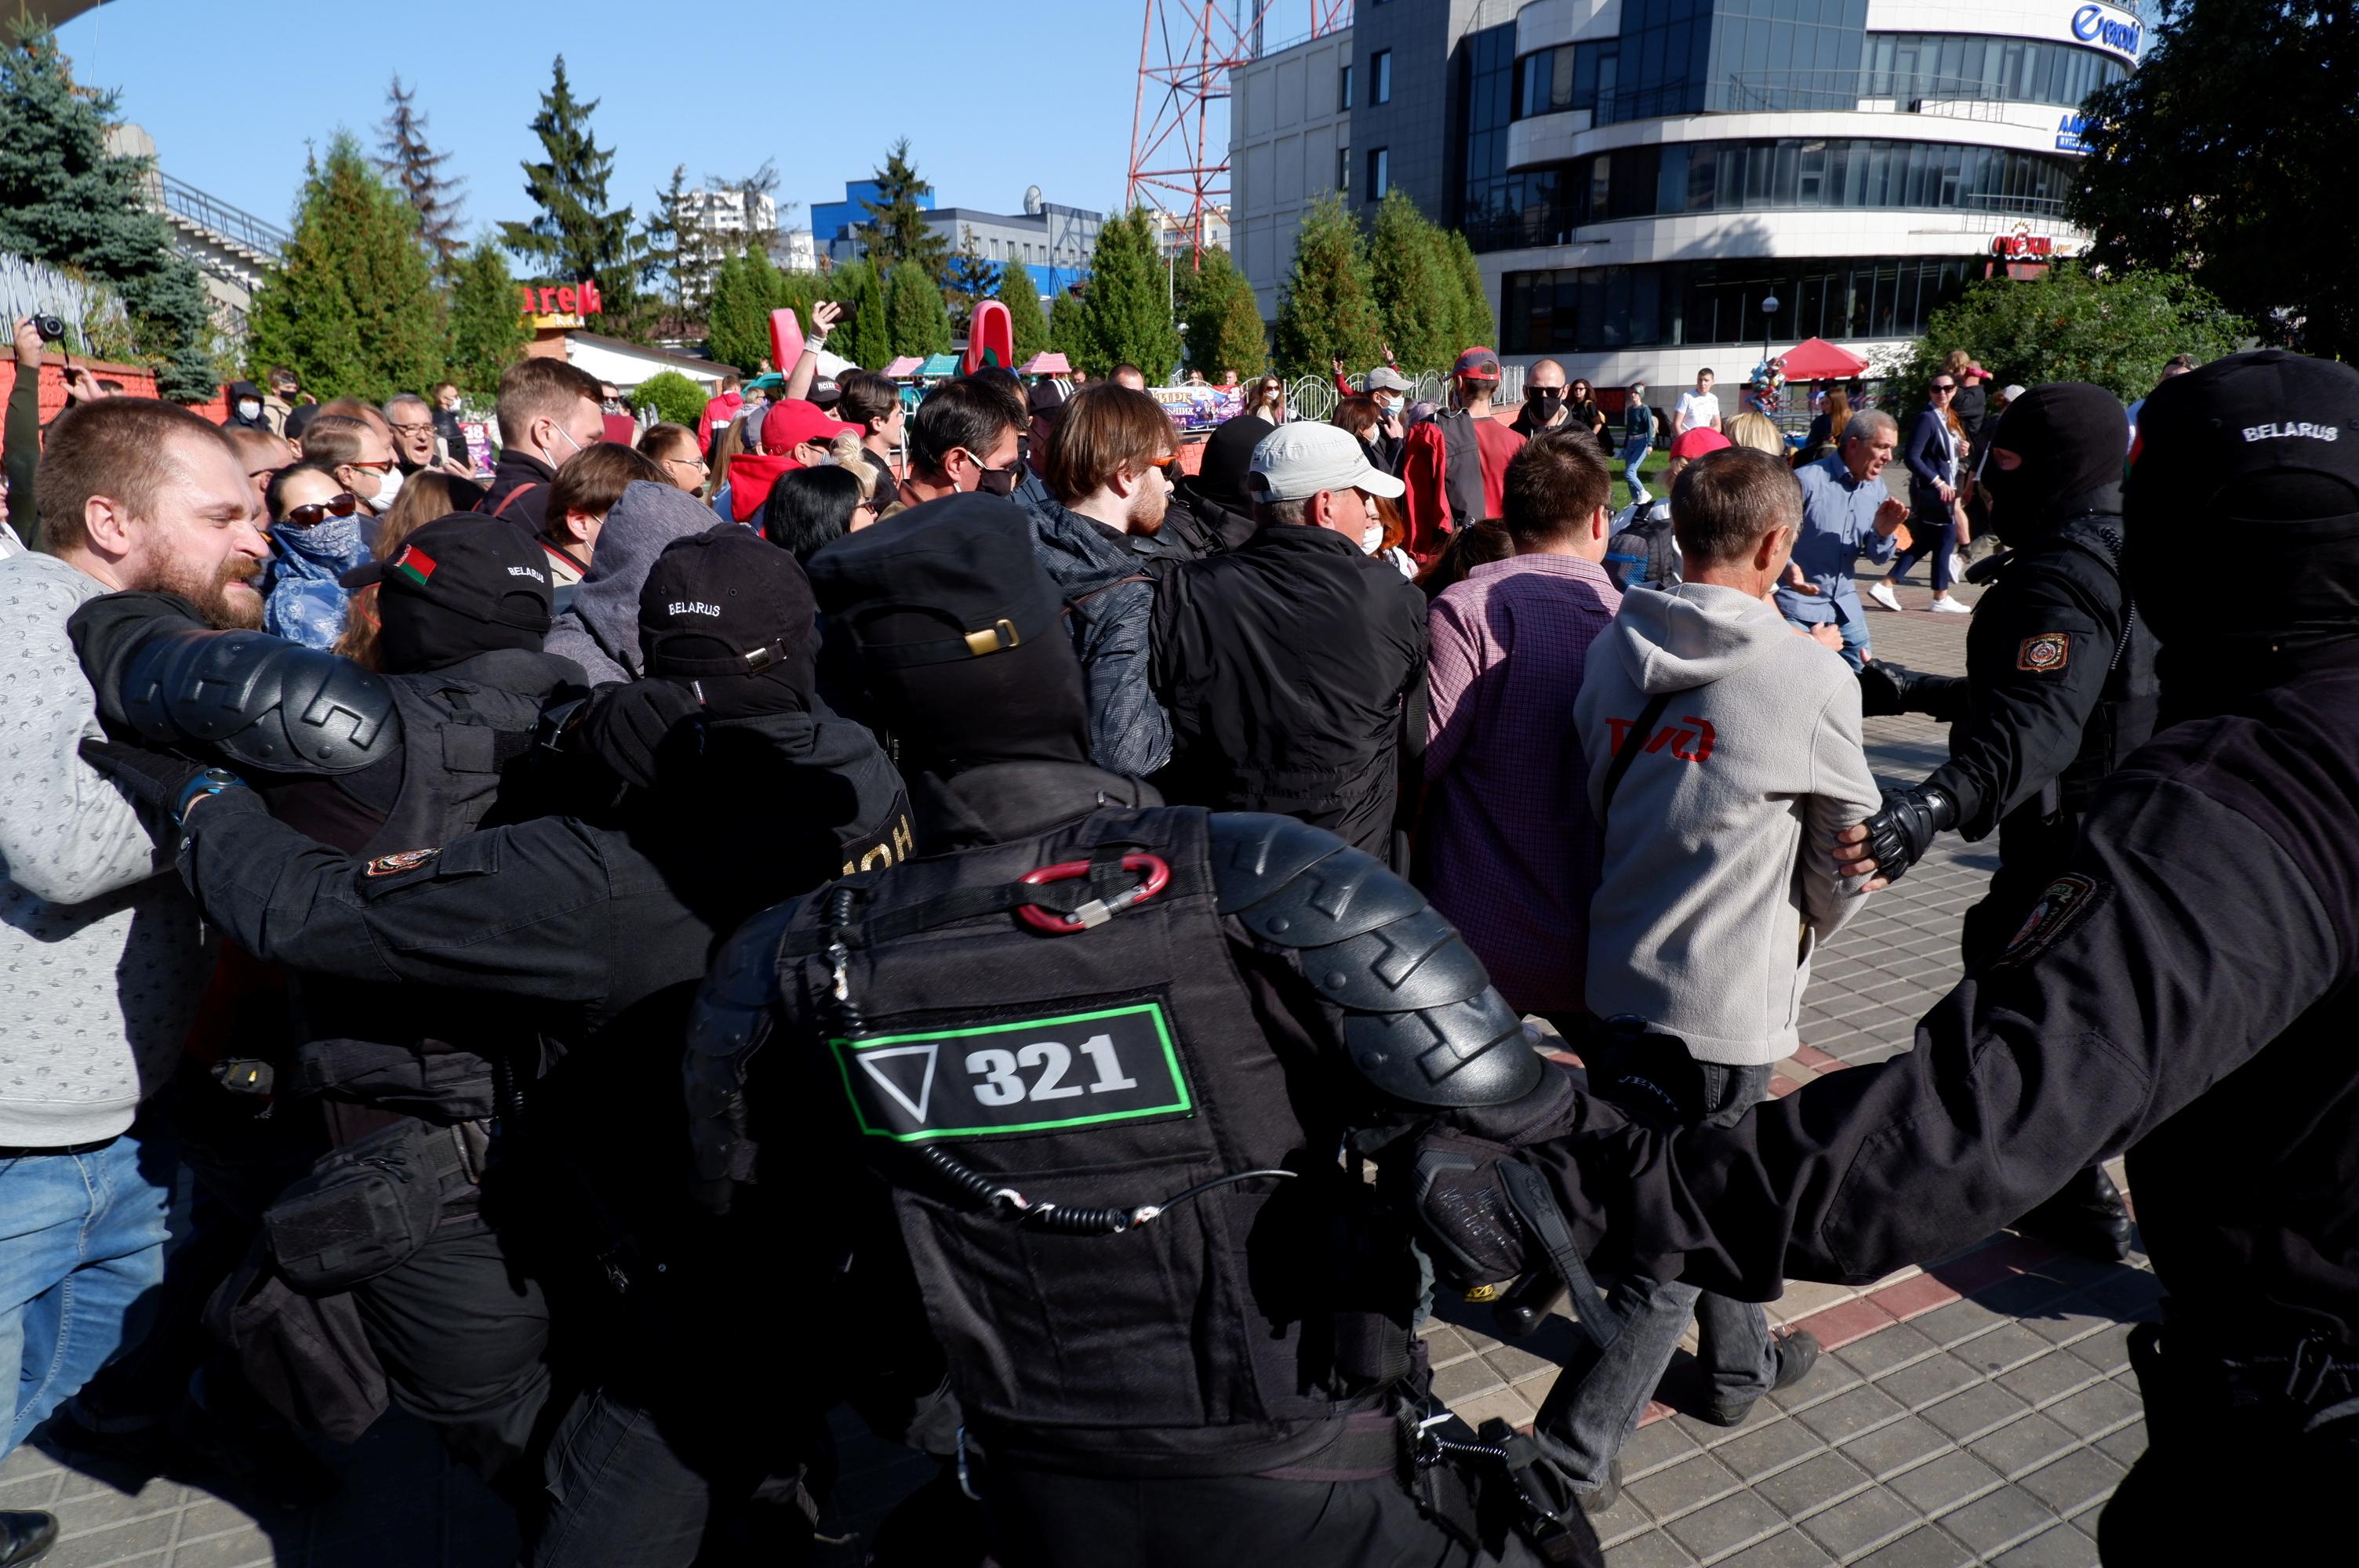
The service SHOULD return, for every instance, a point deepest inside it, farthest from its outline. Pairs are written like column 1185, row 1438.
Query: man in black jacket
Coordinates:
column 1294, row 666
column 547, row 411
column 2175, row 993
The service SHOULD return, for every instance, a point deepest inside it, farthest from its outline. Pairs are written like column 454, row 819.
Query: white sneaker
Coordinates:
column 1950, row 607
column 1881, row 593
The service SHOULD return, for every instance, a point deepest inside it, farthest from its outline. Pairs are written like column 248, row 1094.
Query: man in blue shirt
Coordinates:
column 1847, row 513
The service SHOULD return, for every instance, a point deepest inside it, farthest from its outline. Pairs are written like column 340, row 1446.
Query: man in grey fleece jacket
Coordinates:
column 1736, row 743
column 102, row 951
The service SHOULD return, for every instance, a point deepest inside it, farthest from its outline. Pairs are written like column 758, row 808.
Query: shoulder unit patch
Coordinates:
column 2062, row 906
column 2046, row 654
column 394, row 865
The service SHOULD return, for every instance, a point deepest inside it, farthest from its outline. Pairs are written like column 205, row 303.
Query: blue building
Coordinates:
column 1054, row 243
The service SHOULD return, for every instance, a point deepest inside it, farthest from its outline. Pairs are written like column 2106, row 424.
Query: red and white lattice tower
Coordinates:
column 1186, row 51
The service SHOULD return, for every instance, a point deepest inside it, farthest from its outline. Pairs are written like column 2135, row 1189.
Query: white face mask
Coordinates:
column 1371, row 538
column 248, row 408
column 387, row 487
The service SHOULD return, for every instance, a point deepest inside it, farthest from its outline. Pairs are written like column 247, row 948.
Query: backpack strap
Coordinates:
column 1633, row 742
column 509, row 499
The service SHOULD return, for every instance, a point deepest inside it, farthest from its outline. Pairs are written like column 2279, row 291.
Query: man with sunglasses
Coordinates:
column 547, row 411
column 358, row 454
column 963, row 439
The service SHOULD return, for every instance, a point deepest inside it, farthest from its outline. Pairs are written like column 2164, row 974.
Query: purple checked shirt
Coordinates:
column 1509, row 852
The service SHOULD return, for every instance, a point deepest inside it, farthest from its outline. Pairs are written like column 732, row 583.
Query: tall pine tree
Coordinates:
column 410, row 162
column 917, row 318
column 1026, row 319
column 1127, row 310
column 969, row 276
column 1326, row 308
column 65, row 200
column 575, row 236
column 1067, row 332
column 737, row 313
column 673, row 249
column 1477, row 322
column 354, row 310
column 487, row 330
column 1221, row 319
column 897, row 229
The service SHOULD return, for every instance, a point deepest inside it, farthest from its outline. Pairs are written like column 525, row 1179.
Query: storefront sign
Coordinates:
column 2025, row 245
column 2103, row 27
column 568, row 300
column 2071, row 133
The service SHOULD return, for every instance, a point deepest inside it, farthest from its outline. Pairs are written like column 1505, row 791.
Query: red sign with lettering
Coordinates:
column 2023, row 245
column 582, row 299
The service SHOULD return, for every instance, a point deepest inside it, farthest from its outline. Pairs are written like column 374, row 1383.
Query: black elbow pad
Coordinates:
column 1422, row 1022
column 255, row 701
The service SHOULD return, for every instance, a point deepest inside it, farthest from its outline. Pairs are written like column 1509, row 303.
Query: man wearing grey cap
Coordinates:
column 1294, row 666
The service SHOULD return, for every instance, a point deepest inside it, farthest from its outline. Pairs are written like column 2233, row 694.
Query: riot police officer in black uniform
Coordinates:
column 2059, row 688
column 2181, row 991
column 545, row 967
column 1104, row 1061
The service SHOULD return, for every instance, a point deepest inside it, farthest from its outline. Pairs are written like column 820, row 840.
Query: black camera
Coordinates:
column 50, row 328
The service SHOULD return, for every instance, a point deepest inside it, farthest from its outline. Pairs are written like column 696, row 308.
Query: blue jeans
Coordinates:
column 82, row 1251
column 1634, row 454
column 1854, row 636
column 1595, row 1403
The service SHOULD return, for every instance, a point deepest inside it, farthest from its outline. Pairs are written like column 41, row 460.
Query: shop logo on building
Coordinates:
column 562, row 306
column 2109, row 30
column 2025, row 245
column 2072, row 134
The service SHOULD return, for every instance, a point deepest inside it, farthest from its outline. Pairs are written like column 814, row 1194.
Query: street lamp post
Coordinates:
column 1768, row 321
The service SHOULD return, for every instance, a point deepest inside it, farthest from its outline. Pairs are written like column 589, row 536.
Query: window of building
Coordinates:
column 1912, row 67
column 1344, row 87
column 1570, row 76
column 1380, row 78
column 1543, row 206
column 1343, row 170
column 1681, row 304
column 1488, row 91
column 1380, row 173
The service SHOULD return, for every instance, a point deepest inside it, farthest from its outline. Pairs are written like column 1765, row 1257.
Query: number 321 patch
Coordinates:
column 2046, row 654
column 1031, row 1076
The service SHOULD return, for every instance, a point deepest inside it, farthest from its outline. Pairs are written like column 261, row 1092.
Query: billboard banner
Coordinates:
column 1196, row 410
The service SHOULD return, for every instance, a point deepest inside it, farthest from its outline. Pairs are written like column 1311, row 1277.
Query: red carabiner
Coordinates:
column 1096, row 912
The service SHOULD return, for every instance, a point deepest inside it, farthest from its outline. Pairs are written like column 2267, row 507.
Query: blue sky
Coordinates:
column 233, row 93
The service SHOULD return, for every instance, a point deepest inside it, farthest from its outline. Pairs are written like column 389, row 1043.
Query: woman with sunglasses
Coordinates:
column 319, row 531
column 1935, row 446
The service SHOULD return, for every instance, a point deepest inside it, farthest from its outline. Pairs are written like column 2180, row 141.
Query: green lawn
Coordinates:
column 1652, row 469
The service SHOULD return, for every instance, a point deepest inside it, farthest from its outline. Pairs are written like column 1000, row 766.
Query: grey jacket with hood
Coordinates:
column 1716, row 879
column 600, row 631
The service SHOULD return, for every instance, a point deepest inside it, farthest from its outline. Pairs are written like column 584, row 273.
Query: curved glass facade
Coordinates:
column 1543, row 206
column 1675, row 304
column 1910, row 66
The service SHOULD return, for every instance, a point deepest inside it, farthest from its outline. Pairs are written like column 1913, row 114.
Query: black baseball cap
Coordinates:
column 469, row 563
column 2268, row 438
column 1046, row 400
column 951, row 581
column 725, row 603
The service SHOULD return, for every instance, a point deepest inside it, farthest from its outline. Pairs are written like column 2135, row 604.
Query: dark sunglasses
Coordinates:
column 339, row 504
column 1945, row 387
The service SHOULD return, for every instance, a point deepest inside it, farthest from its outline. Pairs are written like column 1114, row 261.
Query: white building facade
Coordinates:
column 1639, row 176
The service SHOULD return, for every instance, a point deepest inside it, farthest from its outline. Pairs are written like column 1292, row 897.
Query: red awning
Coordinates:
column 1818, row 360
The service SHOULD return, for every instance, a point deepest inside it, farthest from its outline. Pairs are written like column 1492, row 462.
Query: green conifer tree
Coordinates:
column 917, row 318
column 737, row 311
column 415, row 169
column 897, row 229
column 575, row 235
column 968, row 277
column 1026, row 319
column 1067, row 331
column 1127, row 310
column 1221, row 319
column 1327, row 308
column 1478, row 323
column 487, row 326
column 675, row 248
column 354, row 309
column 866, row 339
column 1417, row 295
column 66, row 200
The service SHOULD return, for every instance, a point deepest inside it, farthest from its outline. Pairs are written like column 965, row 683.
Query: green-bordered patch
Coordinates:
column 1030, row 1074
column 2060, row 907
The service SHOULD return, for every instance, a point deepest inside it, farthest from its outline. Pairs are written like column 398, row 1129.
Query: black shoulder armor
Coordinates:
column 259, row 701
column 1422, row 1022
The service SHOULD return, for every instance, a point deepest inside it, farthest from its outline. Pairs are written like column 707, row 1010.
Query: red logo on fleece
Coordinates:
column 1688, row 745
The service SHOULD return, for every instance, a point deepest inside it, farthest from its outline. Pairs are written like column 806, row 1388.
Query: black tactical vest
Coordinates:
column 2087, row 552
column 461, row 733
column 1114, row 1066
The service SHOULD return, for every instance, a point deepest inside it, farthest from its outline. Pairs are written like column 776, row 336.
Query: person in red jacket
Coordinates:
column 1456, row 463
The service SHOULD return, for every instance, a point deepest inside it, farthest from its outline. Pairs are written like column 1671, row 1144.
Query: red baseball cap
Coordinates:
column 1693, row 444
column 792, row 421
column 1480, row 363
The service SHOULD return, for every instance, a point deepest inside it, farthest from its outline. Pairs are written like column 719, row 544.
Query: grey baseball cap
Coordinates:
column 1303, row 457
column 1383, row 378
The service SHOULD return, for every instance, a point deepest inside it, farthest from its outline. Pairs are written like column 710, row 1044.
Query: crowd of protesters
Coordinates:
column 1427, row 631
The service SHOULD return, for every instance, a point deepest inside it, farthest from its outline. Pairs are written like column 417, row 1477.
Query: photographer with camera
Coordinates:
column 20, row 529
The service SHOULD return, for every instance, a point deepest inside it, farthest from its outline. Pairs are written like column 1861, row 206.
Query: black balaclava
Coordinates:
column 2252, row 459
column 2071, row 438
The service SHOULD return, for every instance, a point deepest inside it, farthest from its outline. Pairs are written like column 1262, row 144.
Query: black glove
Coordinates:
column 160, row 785
column 1886, row 689
column 626, row 727
column 106, row 630
column 1898, row 835
column 1450, row 1188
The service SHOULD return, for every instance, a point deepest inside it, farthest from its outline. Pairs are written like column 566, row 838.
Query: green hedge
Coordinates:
column 673, row 396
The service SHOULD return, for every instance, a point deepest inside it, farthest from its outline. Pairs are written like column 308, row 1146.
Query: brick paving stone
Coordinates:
column 1765, row 1449
column 2080, row 1477
column 1625, row 1520
column 1923, row 1547
column 1886, row 1350
column 2022, row 1445
column 1889, row 1449
column 1944, row 1481
column 2047, row 1379
column 2125, row 1444
column 1958, row 1322
column 1683, row 1487
column 2099, row 1407
column 1787, row 1549
column 2060, row 1546
column 1655, row 1445
column 1652, row 1549
column 1867, row 1522
column 1720, row 1528
column 2009, row 1344
column 1991, row 1524
column 1813, row 1485
column 2108, row 1349
column 1929, row 1381
column 1851, row 1412
column 1971, row 1413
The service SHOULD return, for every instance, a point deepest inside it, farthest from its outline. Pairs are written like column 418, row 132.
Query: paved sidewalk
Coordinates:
column 1978, row 1411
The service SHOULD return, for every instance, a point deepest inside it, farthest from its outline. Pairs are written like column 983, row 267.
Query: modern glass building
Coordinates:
column 1639, row 176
